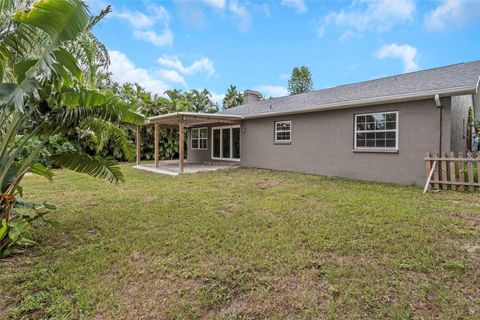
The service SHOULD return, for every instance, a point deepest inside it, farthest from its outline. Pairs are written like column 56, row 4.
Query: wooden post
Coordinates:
column 138, row 145
column 436, row 173
column 428, row 164
column 461, row 171
column 478, row 169
column 181, row 145
column 470, row 171
column 453, row 175
column 444, row 172
column 155, row 148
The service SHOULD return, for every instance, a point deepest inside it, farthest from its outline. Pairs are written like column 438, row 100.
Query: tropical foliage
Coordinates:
column 232, row 98
column 300, row 81
column 50, row 64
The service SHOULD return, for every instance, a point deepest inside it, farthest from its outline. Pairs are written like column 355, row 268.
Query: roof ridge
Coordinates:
column 383, row 81
column 399, row 75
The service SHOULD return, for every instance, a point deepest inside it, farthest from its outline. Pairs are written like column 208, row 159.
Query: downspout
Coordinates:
column 438, row 103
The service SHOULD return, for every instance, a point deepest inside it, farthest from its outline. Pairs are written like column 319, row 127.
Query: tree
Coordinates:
column 200, row 101
column 300, row 81
column 49, row 60
column 232, row 98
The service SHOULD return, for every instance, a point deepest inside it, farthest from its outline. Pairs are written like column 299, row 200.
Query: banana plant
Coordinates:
column 49, row 60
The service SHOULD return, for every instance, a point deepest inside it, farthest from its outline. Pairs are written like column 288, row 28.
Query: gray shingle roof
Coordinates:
column 462, row 77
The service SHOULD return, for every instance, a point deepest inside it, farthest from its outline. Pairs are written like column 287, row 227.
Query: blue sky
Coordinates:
column 255, row 44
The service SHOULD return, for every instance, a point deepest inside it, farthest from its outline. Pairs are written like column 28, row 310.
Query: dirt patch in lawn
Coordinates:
column 284, row 296
column 472, row 220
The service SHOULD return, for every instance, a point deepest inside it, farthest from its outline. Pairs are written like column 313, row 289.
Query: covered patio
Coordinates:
column 182, row 121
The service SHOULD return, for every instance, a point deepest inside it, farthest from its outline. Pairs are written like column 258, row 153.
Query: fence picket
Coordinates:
column 478, row 168
column 453, row 174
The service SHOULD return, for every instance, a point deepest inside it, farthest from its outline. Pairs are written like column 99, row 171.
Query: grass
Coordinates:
column 245, row 244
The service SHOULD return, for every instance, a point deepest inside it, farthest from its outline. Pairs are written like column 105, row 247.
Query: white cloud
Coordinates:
column 159, row 40
column 136, row 19
column 404, row 52
column 242, row 16
column 217, row 4
column 201, row 65
column 172, row 76
column 272, row 91
column 124, row 70
column 298, row 5
column 376, row 15
column 144, row 25
column 452, row 13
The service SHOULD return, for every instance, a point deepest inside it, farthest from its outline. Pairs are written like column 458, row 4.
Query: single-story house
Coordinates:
column 377, row 130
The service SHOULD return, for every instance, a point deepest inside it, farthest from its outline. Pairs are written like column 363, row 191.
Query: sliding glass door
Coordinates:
column 226, row 143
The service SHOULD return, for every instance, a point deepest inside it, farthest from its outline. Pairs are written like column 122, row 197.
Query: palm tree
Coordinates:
column 200, row 101
column 49, row 62
column 232, row 98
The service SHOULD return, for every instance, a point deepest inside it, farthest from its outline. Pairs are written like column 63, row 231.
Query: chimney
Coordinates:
column 250, row 96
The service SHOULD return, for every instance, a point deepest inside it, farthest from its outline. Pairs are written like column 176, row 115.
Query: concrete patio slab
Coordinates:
column 170, row 167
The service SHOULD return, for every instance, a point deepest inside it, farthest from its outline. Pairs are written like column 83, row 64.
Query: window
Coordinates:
column 283, row 131
column 376, row 130
column 226, row 143
column 199, row 139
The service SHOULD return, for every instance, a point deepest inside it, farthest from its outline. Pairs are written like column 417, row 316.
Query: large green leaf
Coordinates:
column 108, row 132
column 61, row 20
column 68, row 61
column 93, row 166
column 3, row 228
column 41, row 170
column 22, row 67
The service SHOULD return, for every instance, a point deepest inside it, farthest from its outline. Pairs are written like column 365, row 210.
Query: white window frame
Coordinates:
column 199, row 138
column 355, row 131
column 221, row 142
column 278, row 131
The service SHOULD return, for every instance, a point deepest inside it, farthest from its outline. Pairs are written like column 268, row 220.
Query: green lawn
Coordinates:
column 243, row 244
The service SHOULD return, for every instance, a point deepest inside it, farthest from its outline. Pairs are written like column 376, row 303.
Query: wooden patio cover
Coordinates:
column 181, row 120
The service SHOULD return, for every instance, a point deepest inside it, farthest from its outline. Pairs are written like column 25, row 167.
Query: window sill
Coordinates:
column 375, row 150
column 282, row 142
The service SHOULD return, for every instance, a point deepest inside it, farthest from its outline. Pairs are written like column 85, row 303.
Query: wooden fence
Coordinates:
column 450, row 172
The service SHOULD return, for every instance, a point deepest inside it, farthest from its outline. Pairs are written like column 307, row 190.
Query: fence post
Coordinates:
column 436, row 172
column 461, row 171
column 428, row 164
column 453, row 175
column 444, row 172
column 470, row 171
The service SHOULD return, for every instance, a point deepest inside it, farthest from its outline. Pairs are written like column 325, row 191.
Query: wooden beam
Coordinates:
column 181, row 146
column 211, row 120
column 137, row 140
column 156, row 145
